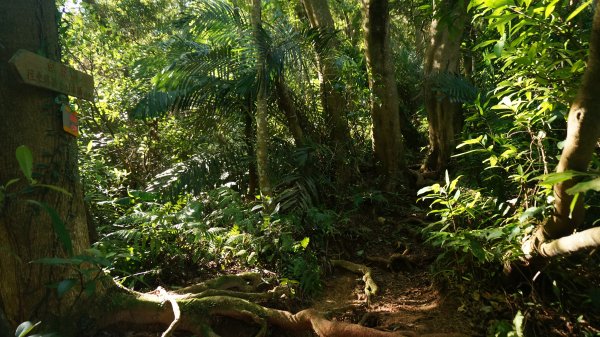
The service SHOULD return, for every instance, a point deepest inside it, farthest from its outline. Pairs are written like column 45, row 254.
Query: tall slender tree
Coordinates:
column 387, row 138
column 442, row 58
column 262, row 132
column 31, row 117
column 320, row 18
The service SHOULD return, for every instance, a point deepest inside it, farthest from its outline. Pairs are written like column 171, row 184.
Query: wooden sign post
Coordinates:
column 39, row 71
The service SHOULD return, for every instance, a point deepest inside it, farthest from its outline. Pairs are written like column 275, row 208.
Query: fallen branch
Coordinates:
column 371, row 287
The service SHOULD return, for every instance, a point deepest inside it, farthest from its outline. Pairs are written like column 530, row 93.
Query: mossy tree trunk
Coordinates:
column 443, row 58
column 30, row 117
column 333, row 101
column 288, row 107
column 262, row 132
column 387, row 137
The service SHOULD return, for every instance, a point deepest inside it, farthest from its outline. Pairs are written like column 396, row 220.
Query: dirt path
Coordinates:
column 407, row 300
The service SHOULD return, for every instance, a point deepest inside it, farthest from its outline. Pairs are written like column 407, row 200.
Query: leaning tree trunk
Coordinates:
column 583, row 131
column 320, row 18
column 387, row 138
column 288, row 107
column 262, row 132
column 30, row 117
column 442, row 59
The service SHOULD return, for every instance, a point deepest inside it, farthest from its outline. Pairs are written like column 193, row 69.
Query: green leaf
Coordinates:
column 59, row 226
column 12, row 181
column 585, row 186
column 572, row 204
column 558, row 177
column 64, row 286
column 25, row 159
column 530, row 212
column 304, row 242
column 493, row 4
column 499, row 47
column 578, row 10
column 24, row 328
column 90, row 287
column 518, row 323
column 550, row 9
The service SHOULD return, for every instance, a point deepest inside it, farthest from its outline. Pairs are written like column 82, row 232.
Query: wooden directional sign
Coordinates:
column 39, row 71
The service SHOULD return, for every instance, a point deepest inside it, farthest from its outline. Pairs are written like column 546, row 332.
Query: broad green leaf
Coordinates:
column 499, row 47
column 424, row 190
column 578, row 10
column 64, row 286
column 493, row 4
column 470, row 141
column 304, row 242
column 550, row 8
column 585, row 186
column 59, row 226
column 24, row 328
column 530, row 212
column 25, row 159
column 453, row 183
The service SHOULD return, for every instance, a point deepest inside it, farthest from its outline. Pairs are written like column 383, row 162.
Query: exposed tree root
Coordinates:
column 587, row 239
column 121, row 305
column 396, row 262
column 371, row 287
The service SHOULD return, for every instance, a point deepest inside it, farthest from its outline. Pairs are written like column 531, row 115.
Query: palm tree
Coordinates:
column 222, row 68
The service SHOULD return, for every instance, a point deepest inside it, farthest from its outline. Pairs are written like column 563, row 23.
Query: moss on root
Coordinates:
column 123, row 307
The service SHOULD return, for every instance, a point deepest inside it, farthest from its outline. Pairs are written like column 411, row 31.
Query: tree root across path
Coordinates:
column 233, row 297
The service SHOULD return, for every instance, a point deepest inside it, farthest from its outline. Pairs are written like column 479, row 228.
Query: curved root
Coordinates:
column 123, row 306
column 371, row 287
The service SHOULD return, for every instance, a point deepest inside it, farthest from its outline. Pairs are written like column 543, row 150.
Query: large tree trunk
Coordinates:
column 443, row 58
column 30, row 117
column 334, row 104
column 262, row 132
column 387, row 139
column 583, row 131
column 287, row 105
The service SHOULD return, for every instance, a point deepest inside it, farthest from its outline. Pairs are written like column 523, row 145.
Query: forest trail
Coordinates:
column 408, row 298
column 408, row 301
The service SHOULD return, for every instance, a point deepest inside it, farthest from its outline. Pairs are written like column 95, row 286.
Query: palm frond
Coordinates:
column 453, row 86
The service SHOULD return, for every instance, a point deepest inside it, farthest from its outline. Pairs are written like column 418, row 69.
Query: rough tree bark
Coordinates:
column 287, row 105
column 30, row 117
column 250, row 140
column 443, row 57
column 583, row 131
column 320, row 18
column 387, row 138
column 262, row 132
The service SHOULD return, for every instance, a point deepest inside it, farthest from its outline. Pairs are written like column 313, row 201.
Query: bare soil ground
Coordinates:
column 408, row 299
